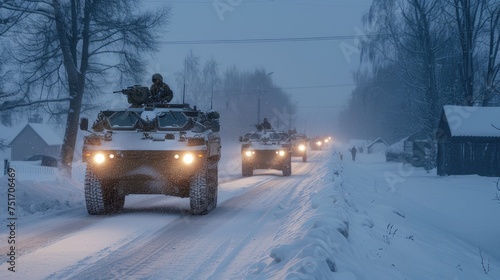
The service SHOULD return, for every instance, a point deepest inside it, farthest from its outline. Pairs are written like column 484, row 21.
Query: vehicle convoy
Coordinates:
column 265, row 149
column 299, row 146
column 316, row 143
column 151, row 148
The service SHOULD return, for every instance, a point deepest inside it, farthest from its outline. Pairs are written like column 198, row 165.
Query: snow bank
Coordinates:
column 361, row 225
column 325, row 232
column 36, row 198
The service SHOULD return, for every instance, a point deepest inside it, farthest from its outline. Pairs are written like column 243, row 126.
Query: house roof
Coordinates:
column 45, row 132
column 378, row 140
column 397, row 147
column 473, row 121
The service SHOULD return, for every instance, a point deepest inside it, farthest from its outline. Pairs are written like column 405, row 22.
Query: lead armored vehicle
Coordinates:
column 265, row 149
column 151, row 148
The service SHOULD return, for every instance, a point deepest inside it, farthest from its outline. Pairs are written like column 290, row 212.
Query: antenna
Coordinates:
column 184, row 92
column 212, row 98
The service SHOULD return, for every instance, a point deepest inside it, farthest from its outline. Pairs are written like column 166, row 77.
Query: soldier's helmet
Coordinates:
column 156, row 77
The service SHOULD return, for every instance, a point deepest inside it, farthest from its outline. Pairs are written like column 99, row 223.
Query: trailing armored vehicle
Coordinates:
column 151, row 148
column 299, row 146
column 316, row 143
column 265, row 149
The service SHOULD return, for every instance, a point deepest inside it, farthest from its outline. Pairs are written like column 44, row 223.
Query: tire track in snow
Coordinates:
column 55, row 232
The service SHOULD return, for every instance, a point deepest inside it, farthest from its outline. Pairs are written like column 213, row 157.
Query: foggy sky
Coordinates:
column 317, row 74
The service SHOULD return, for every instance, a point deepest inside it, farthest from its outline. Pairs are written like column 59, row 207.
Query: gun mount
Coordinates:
column 136, row 95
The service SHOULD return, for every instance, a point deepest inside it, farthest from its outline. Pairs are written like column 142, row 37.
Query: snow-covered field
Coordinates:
column 332, row 219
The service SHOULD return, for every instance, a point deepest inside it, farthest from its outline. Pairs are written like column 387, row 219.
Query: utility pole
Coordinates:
column 258, row 106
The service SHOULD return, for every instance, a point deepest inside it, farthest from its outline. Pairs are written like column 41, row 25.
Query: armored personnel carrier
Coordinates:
column 151, row 148
column 265, row 149
column 299, row 146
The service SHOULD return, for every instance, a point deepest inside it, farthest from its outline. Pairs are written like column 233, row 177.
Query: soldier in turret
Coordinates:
column 160, row 91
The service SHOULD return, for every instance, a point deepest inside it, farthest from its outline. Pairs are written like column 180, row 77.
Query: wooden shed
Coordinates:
column 468, row 141
column 416, row 147
column 35, row 139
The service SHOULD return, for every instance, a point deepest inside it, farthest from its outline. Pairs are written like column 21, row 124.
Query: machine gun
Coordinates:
column 136, row 95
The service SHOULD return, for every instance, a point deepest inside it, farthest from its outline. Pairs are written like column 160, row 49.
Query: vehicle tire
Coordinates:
column 100, row 196
column 203, row 190
column 287, row 170
column 304, row 158
column 213, row 171
column 246, row 169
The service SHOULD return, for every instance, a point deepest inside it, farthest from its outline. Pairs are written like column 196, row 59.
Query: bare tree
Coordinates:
column 492, row 75
column 469, row 23
column 409, row 40
column 198, row 83
column 66, row 50
column 8, row 18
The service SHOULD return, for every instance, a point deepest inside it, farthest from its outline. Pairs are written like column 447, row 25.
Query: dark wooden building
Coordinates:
column 468, row 141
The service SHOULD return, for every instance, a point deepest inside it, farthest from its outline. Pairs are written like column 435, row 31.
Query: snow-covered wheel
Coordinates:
column 203, row 189
column 246, row 169
column 100, row 196
column 287, row 169
column 304, row 158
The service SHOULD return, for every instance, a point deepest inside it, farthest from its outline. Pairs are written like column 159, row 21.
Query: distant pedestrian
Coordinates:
column 353, row 153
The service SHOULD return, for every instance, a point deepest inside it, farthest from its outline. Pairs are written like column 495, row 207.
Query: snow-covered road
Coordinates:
column 332, row 219
column 156, row 237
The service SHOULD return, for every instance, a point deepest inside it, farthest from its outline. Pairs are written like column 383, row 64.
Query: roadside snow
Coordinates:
column 376, row 220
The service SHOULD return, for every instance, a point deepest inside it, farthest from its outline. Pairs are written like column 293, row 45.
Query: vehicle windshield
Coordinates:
column 123, row 120
column 172, row 120
column 274, row 136
column 254, row 136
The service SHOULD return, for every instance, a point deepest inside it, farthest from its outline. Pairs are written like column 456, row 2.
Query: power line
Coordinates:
column 267, row 40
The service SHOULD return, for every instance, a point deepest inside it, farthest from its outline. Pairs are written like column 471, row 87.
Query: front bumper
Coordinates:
column 147, row 165
column 266, row 159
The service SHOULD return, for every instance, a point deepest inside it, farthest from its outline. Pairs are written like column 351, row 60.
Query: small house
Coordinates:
column 378, row 145
column 469, row 141
column 35, row 139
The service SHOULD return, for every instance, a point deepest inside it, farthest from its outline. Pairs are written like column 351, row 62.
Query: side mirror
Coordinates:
column 84, row 124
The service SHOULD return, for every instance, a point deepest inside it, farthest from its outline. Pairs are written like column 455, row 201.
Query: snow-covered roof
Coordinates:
column 378, row 140
column 397, row 147
column 45, row 132
column 9, row 133
column 473, row 121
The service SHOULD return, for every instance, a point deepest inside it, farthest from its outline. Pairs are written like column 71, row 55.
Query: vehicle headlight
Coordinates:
column 99, row 158
column 326, row 140
column 281, row 152
column 302, row 147
column 188, row 158
column 248, row 153
column 318, row 143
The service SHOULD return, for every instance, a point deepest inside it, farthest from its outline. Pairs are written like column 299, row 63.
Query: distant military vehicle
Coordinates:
column 316, row 143
column 151, row 148
column 299, row 146
column 265, row 149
